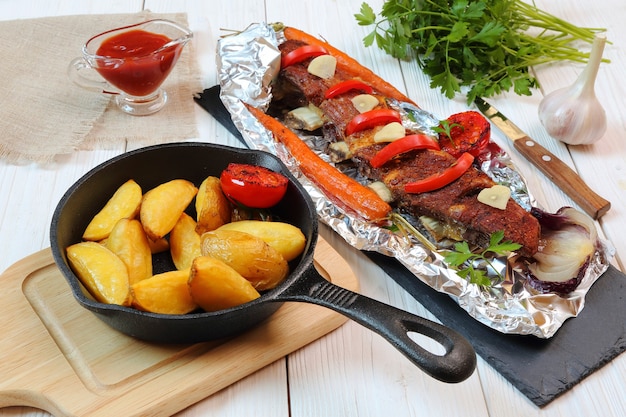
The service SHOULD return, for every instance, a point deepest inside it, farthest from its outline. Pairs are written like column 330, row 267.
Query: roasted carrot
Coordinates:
column 349, row 64
column 338, row 187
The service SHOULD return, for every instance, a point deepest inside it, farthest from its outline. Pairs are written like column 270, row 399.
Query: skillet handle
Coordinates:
column 455, row 365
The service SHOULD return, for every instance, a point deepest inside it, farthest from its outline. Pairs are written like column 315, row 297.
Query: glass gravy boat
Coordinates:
column 132, row 62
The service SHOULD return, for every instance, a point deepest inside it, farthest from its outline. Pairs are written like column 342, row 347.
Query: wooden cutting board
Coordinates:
column 59, row 357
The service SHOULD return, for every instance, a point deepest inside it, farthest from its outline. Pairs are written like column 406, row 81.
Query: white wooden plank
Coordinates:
column 39, row 8
column 352, row 371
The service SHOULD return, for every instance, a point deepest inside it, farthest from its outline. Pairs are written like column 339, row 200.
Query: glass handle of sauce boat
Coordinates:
column 75, row 71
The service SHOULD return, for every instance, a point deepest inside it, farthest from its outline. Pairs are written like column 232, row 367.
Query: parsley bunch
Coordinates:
column 483, row 46
column 463, row 258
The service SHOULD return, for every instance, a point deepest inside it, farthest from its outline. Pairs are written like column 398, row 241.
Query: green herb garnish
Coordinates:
column 463, row 258
column 487, row 46
column 445, row 128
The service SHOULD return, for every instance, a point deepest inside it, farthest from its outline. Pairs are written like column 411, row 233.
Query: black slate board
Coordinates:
column 540, row 369
column 210, row 101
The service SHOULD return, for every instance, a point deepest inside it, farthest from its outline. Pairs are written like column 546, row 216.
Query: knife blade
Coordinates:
column 552, row 167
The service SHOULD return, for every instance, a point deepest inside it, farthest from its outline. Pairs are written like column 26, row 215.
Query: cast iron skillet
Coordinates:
column 195, row 161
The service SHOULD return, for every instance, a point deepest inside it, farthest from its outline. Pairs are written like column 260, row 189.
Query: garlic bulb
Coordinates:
column 573, row 114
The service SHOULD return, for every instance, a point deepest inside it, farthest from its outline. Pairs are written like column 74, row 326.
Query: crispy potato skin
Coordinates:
column 162, row 206
column 216, row 286
column 225, row 265
column 212, row 207
column 166, row 293
column 101, row 271
column 129, row 242
column 286, row 238
column 159, row 245
column 124, row 203
column 247, row 254
column 184, row 242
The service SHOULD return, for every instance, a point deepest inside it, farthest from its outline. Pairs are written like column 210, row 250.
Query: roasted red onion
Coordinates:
column 568, row 241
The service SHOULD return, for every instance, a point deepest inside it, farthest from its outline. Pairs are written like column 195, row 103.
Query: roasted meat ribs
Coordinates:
column 455, row 205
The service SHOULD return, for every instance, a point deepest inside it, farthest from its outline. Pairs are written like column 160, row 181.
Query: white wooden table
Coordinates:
column 352, row 371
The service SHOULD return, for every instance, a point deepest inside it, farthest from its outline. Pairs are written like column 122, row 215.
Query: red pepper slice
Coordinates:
column 302, row 53
column 436, row 181
column 402, row 145
column 348, row 85
column 372, row 118
column 253, row 186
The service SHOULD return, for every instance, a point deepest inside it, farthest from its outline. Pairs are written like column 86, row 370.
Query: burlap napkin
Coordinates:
column 43, row 114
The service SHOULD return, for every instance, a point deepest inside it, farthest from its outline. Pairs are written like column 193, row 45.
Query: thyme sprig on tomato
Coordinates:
column 463, row 132
column 445, row 129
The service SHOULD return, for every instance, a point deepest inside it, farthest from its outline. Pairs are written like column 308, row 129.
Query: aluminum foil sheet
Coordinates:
column 247, row 64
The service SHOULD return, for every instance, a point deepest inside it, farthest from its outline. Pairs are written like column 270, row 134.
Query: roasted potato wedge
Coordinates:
column 215, row 286
column 184, row 242
column 162, row 206
column 212, row 206
column 129, row 242
column 286, row 238
column 166, row 293
column 124, row 203
column 247, row 254
column 159, row 245
column 101, row 271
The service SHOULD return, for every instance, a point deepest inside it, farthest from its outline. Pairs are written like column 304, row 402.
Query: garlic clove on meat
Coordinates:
column 573, row 114
column 390, row 132
column 323, row 66
column 497, row 196
column 365, row 102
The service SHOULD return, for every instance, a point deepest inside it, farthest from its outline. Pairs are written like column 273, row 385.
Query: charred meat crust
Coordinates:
column 455, row 203
column 296, row 87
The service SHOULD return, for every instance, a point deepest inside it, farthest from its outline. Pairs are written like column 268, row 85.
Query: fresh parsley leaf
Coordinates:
column 474, row 10
column 489, row 34
column 458, row 32
column 445, row 128
column 366, row 16
column 447, row 82
column 463, row 258
column 369, row 39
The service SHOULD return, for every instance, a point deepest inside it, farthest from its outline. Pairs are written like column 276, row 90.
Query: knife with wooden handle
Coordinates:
column 555, row 169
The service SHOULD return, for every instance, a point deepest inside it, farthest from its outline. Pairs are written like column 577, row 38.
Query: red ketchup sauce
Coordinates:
column 143, row 69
